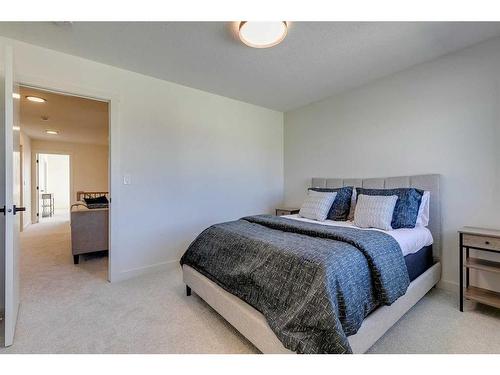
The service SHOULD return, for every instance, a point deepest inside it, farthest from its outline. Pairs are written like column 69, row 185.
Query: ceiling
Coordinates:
column 316, row 60
column 77, row 119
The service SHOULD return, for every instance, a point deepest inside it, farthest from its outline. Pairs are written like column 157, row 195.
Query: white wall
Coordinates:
column 194, row 158
column 438, row 117
column 89, row 163
column 58, row 178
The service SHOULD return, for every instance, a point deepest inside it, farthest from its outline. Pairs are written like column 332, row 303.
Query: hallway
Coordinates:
column 46, row 252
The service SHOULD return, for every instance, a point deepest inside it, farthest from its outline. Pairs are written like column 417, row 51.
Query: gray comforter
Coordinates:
column 313, row 283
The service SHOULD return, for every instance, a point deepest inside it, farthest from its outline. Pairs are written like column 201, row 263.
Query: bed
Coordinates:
column 89, row 226
column 423, row 266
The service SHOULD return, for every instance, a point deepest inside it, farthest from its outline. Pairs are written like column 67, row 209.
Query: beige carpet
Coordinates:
column 73, row 309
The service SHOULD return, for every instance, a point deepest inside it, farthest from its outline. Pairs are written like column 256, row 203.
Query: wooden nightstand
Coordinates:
column 287, row 211
column 483, row 240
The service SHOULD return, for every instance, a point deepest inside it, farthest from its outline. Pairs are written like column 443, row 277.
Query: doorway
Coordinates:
column 66, row 137
column 53, row 186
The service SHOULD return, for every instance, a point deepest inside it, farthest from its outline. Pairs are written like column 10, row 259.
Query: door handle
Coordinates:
column 16, row 209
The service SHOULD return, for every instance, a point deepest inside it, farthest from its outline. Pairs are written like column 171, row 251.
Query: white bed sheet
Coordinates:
column 410, row 240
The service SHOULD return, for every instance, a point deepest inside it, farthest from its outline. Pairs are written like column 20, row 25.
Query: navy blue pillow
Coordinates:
column 98, row 200
column 342, row 203
column 406, row 209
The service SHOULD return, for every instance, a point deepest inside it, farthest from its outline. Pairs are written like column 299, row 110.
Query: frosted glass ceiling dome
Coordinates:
column 262, row 34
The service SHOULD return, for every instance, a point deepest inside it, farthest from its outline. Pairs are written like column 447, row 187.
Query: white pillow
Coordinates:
column 374, row 211
column 423, row 210
column 317, row 205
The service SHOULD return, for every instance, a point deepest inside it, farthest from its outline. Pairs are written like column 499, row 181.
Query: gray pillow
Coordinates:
column 317, row 205
column 374, row 211
column 342, row 203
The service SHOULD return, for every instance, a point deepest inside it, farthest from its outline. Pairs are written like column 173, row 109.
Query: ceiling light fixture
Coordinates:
column 16, row 95
column 262, row 34
column 36, row 99
column 17, row 128
column 52, row 132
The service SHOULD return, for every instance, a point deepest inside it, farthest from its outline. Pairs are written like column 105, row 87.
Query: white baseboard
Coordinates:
column 134, row 272
column 450, row 286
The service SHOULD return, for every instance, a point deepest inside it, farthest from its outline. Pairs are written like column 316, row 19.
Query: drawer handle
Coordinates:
column 486, row 242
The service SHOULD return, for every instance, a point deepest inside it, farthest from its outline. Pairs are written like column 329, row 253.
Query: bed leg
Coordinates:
column 188, row 291
column 76, row 259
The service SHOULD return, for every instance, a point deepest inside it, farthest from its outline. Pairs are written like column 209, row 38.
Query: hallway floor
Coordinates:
column 59, row 215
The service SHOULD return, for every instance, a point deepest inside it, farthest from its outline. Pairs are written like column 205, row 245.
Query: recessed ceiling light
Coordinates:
column 52, row 132
column 36, row 99
column 16, row 95
column 16, row 127
column 262, row 34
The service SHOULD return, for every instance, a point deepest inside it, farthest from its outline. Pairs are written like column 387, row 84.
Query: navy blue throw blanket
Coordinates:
column 313, row 283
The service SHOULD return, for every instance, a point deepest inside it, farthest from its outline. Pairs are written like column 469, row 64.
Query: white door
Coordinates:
column 36, row 217
column 9, row 195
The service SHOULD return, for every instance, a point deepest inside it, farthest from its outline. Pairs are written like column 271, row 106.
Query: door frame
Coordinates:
column 22, row 202
column 35, row 193
column 113, row 100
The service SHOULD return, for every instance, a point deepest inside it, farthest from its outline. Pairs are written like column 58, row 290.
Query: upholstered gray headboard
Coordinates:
column 429, row 182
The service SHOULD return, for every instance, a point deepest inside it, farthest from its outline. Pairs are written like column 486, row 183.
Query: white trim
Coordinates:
column 114, row 170
column 134, row 272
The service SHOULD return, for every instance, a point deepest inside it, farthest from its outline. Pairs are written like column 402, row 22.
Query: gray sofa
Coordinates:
column 89, row 230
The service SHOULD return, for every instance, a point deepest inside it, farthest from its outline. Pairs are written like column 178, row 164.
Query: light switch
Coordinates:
column 127, row 179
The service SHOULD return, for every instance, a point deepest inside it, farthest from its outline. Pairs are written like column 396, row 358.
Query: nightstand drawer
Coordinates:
column 483, row 242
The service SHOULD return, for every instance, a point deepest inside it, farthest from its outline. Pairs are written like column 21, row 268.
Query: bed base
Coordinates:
column 252, row 324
